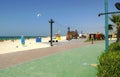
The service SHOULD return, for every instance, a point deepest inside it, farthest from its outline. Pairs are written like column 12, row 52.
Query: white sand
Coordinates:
column 9, row 46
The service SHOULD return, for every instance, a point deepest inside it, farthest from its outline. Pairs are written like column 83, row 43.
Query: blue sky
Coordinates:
column 30, row 17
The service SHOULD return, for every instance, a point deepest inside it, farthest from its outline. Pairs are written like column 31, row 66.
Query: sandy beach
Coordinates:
column 16, row 46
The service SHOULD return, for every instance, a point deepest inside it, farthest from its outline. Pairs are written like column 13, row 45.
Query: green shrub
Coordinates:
column 114, row 47
column 109, row 65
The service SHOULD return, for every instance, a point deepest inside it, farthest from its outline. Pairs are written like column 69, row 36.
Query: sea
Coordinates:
column 17, row 37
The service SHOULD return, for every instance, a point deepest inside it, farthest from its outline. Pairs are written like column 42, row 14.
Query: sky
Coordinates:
column 31, row 17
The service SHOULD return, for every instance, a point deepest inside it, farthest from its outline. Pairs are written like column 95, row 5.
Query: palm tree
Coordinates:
column 116, row 20
column 110, row 28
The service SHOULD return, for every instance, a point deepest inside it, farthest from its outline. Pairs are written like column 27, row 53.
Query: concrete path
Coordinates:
column 11, row 59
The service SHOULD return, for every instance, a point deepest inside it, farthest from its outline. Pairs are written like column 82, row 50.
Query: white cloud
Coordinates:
column 39, row 14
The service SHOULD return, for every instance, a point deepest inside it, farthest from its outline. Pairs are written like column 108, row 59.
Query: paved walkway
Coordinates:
column 71, row 59
column 11, row 59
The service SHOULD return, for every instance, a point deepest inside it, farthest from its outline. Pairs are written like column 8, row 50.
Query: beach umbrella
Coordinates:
column 22, row 40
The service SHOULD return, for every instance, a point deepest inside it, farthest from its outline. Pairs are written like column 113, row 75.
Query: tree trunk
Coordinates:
column 118, row 34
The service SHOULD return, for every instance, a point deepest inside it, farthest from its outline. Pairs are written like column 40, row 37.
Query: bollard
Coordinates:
column 92, row 38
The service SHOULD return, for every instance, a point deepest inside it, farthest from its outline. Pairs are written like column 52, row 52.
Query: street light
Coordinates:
column 106, row 24
column 117, row 5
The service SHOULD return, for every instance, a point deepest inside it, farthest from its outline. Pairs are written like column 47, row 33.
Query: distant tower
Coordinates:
column 68, row 29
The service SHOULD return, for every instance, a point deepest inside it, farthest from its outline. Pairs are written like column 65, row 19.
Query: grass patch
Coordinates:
column 72, row 63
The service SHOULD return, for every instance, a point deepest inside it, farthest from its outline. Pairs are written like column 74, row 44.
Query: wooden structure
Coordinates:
column 71, row 34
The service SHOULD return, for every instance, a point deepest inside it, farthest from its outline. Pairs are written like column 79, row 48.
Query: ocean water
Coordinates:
column 17, row 37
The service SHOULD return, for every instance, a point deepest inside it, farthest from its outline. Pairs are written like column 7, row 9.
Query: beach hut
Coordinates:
column 58, row 37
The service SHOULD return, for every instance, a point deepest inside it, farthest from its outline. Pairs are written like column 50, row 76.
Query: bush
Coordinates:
column 109, row 65
column 114, row 47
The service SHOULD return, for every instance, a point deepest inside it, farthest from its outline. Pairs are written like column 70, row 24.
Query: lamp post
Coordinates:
column 51, row 22
column 106, row 26
column 117, row 5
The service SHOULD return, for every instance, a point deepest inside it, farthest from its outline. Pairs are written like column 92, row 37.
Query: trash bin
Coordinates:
column 38, row 39
column 22, row 40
